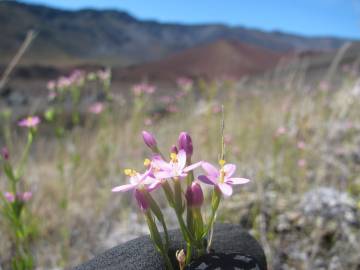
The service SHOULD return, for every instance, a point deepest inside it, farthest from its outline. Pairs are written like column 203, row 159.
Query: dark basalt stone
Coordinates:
column 140, row 254
column 222, row 261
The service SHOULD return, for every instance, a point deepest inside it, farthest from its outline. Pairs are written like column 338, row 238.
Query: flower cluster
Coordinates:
column 175, row 176
column 143, row 88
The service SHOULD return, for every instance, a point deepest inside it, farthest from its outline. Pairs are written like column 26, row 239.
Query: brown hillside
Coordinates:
column 221, row 58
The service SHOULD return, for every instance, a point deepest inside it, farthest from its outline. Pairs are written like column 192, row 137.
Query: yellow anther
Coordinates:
column 129, row 172
column 222, row 162
column 173, row 157
column 147, row 162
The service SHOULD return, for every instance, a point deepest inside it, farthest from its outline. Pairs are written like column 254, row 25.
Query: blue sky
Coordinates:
column 310, row 17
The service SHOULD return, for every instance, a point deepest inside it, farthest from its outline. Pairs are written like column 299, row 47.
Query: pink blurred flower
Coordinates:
column 104, row 75
column 324, row 86
column 29, row 122
column 221, row 178
column 301, row 163
column 216, row 108
column 185, row 83
column 228, row 139
column 172, row 108
column 280, row 131
column 148, row 121
column 26, row 196
column 142, row 88
column 301, row 145
column 51, row 85
column 52, row 95
column 166, row 99
column 96, row 108
column 10, row 197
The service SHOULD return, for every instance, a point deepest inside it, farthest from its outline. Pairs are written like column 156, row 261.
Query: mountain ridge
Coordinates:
column 116, row 38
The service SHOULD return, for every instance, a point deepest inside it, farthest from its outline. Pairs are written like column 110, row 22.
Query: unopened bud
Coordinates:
column 181, row 258
column 174, row 149
column 149, row 140
column 141, row 200
column 5, row 153
column 194, row 195
column 185, row 143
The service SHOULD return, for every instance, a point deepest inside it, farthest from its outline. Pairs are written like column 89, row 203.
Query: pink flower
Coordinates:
column 221, row 178
column 104, row 75
column 10, row 197
column 172, row 108
column 185, row 83
column 26, row 196
column 301, row 145
column 175, row 168
column 137, row 181
column 216, row 108
column 148, row 121
column 141, row 88
column 280, row 131
column 30, row 122
column 301, row 163
column 51, row 85
column 96, row 108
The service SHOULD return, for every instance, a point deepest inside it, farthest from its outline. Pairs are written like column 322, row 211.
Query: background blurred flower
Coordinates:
column 30, row 122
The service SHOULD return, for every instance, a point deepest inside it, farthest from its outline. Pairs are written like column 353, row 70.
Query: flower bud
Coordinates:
column 5, row 153
column 181, row 258
column 141, row 200
column 174, row 149
column 149, row 139
column 185, row 143
column 10, row 197
column 194, row 195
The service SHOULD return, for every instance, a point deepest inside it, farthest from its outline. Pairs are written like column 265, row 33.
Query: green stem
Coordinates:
column 155, row 236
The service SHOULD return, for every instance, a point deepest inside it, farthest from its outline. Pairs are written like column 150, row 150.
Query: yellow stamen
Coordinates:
column 130, row 172
column 173, row 157
column 147, row 162
column 222, row 162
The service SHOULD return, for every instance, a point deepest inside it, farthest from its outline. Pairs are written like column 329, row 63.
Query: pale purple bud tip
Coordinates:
column 194, row 195
column 149, row 139
column 10, row 197
column 174, row 149
column 185, row 143
column 141, row 200
column 5, row 153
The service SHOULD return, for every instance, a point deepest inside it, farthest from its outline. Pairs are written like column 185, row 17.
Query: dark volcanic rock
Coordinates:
column 140, row 253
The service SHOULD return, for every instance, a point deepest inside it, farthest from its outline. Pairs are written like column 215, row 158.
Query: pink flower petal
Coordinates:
column 210, row 169
column 229, row 170
column 207, row 180
column 163, row 175
column 123, row 188
column 193, row 166
column 226, row 189
column 236, row 181
column 161, row 164
column 181, row 157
